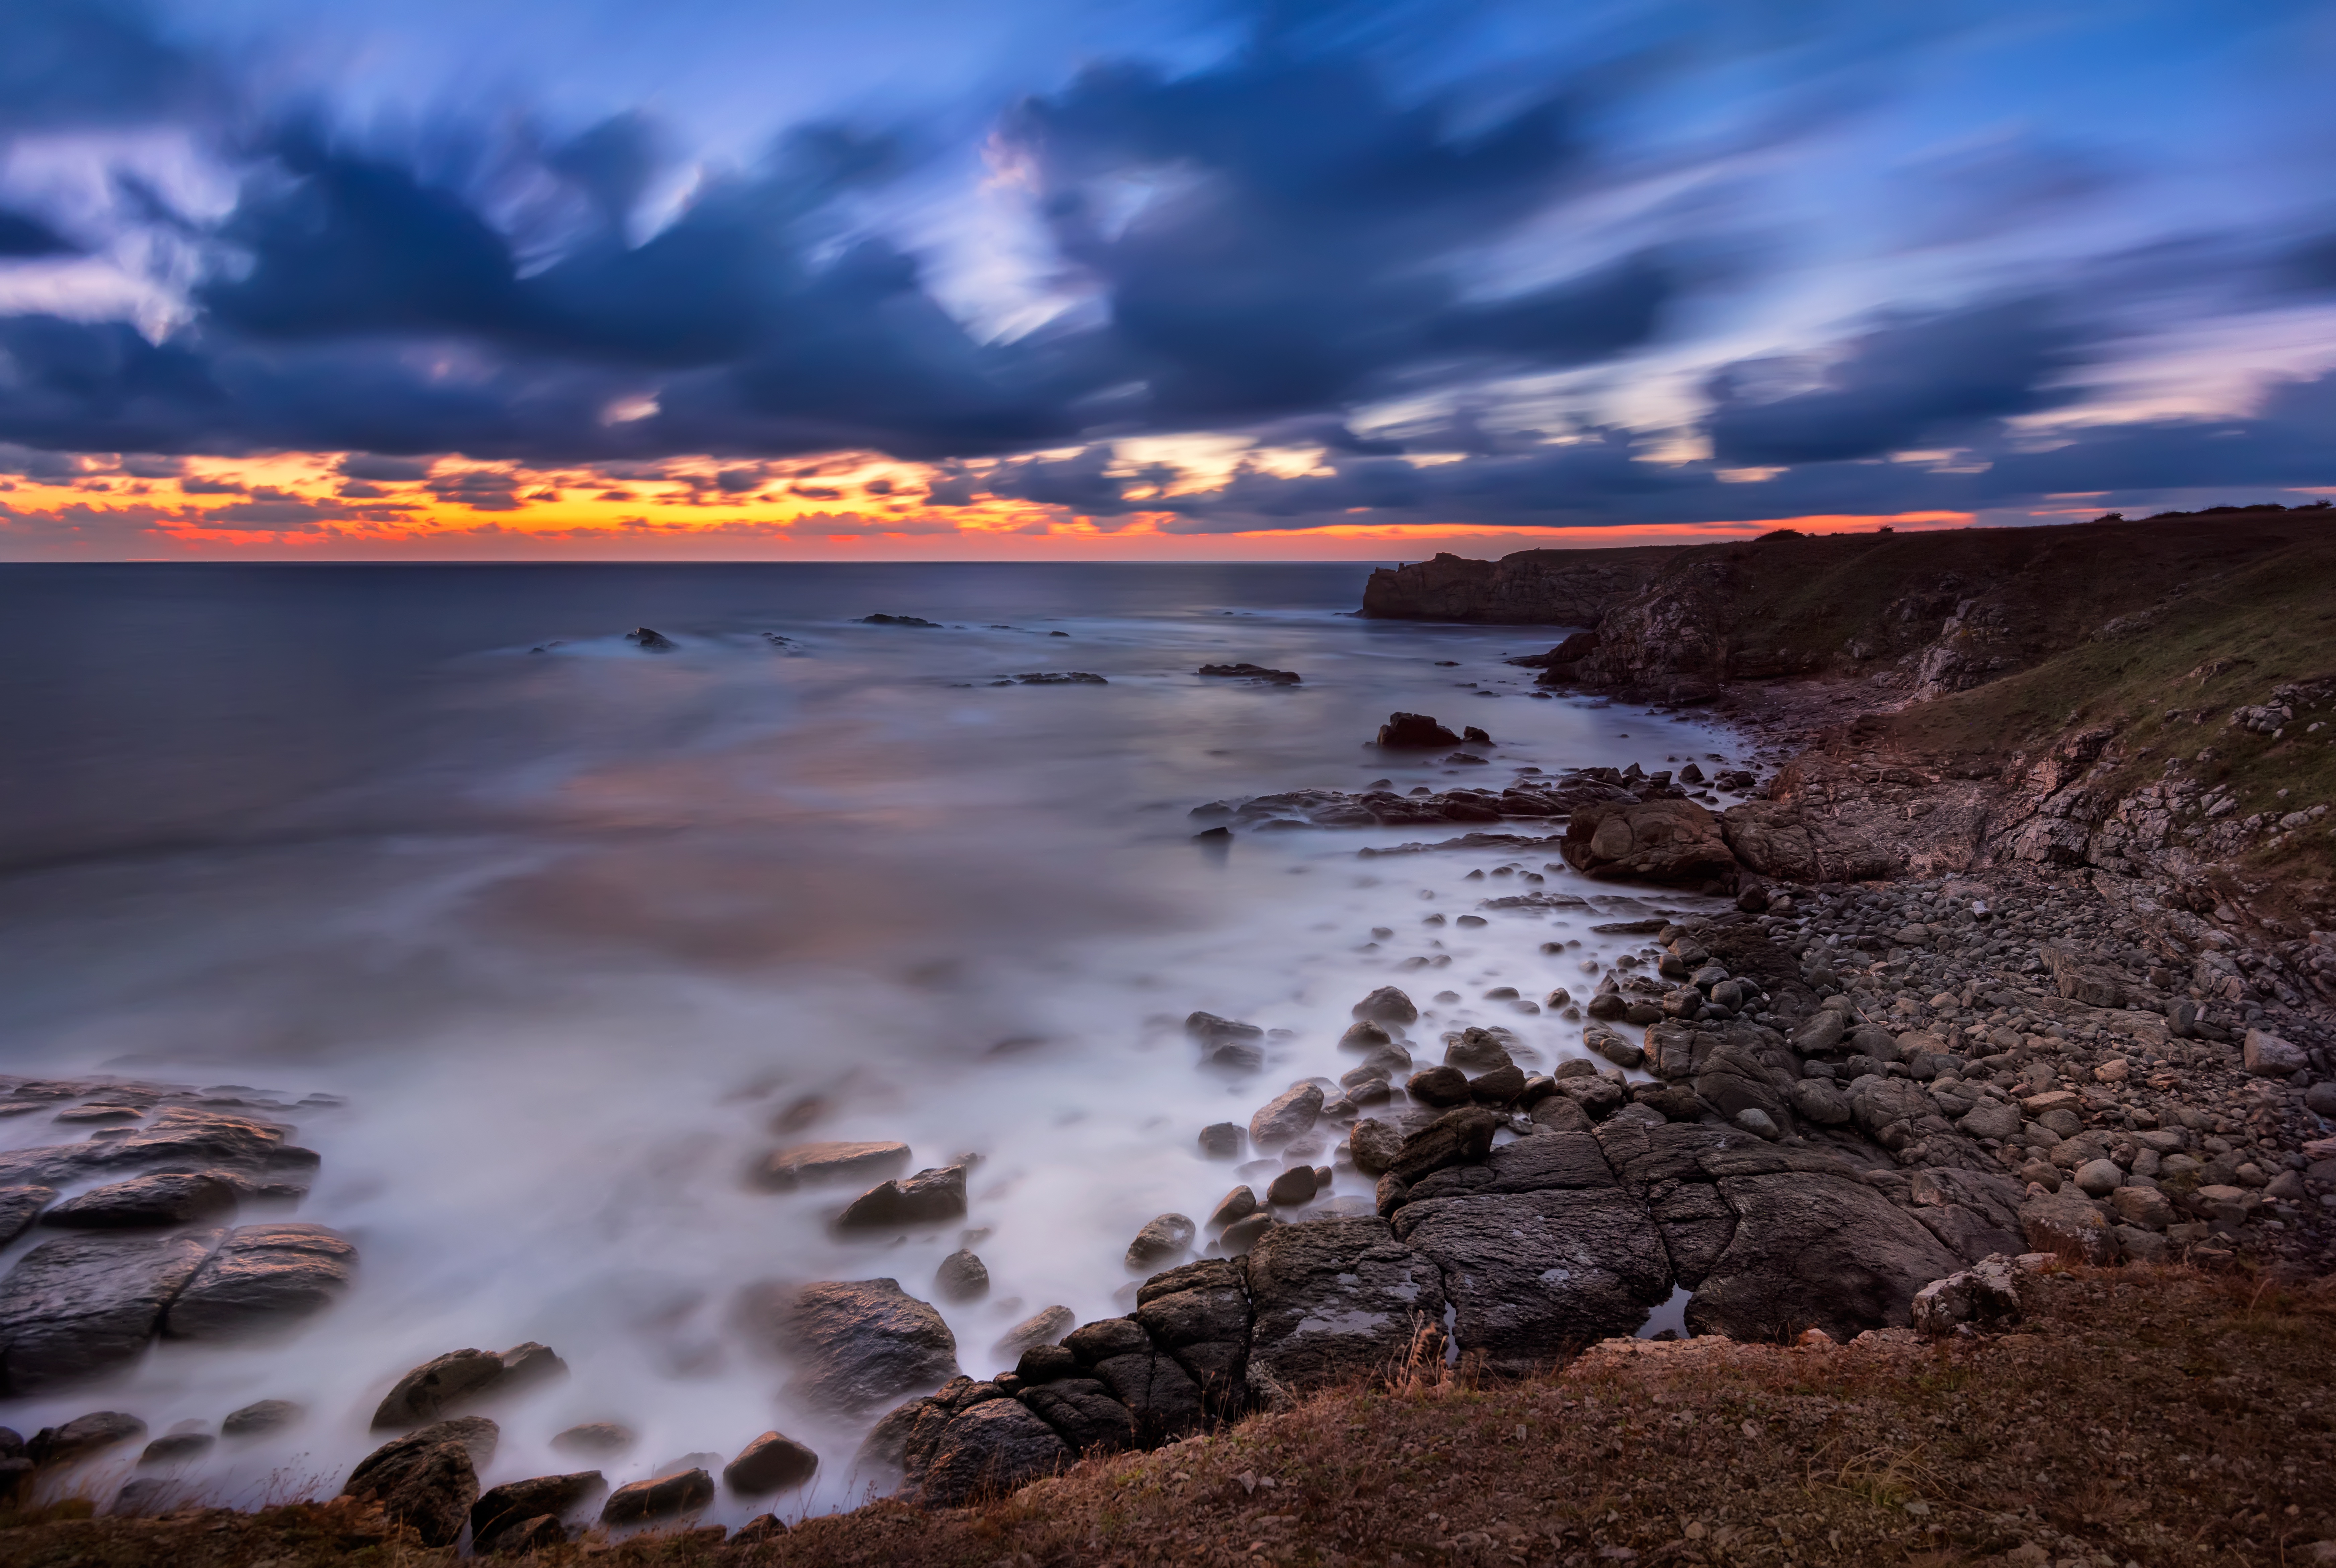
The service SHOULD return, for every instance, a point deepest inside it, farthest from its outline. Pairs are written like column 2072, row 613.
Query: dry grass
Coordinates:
column 2145, row 1416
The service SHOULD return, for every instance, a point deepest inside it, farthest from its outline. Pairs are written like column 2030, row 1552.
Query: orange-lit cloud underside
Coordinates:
column 303, row 507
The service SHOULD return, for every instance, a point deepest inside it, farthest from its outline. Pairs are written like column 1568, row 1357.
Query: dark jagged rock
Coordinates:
column 262, row 1277
column 180, row 1140
column 1455, row 1137
column 1337, row 1298
column 929, row 1197
column 992, row 1448
column 428, row 1478
column 1819, row 1251
column 661, row 1497
column 855, row 1345
column 146, row 1201
column 1159, row 1393
column 82, row 1305
column 1537, row 1272
column 773, row 1461
column 1083, row 1413
column 1533, row 586
column 1061, row 678
column 648, row 639
column 1257, row 674
column 911, row 620
column 1199, row 1315
column 500, row 1518
column 1415, row 731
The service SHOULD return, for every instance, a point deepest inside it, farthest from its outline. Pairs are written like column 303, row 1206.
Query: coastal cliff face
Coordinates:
column 1531, row 587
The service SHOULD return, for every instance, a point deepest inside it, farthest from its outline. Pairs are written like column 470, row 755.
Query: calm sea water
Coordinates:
column 567, row 928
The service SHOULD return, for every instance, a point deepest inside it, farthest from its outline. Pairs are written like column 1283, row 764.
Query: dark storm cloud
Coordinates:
column 78, row 63
column 1905, row 384
column 24, row 237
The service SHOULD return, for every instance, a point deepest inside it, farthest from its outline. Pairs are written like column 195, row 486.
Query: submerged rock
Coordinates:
column 804, row 1165
column 648, row 639
column 1163, row 1240
column 446, row 1383
column 1415, row 731
column 1041, row 1328
column 261, row 1417
column 856, row 1345
column 595, row 1437
column 19, row 1206
column 929, row 1197
column 1256, row 673
column 961, row 1277
column 1287, row 1116
column 1387, row 1005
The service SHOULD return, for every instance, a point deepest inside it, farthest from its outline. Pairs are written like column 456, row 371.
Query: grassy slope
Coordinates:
column 2158, row 1416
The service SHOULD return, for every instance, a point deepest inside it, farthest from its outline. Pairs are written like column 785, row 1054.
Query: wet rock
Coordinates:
column 648, row 639
column 1160, row 1396
column 1337, row 1298
column 447, row 1383
column 262, row 1417
column 1454, row 1138
column 1242, row 1234
column 1438, row 1087
column 1387, row 1005
column 1222, row 1140
column 597, row 1438
column 1044, row 1363
column 1477, row 1050
column 1664, row 840
column 500, row 1518
column 1287, row 1116
column 1251, row 672
column 1531, row 1273
column 1163, row 1240
column 1415, row 730
column 1044, row 1326
column 1562, row 1114
column 144, row 1202
column 773, row 1461
column 803, row 1165
column 988, row 1450
column 1227, row 1043
column 1199, row 1315
column 1238, row 1204
column 1293, row 1186
column 1500, row 1087
column 1614, row 1047
column 1376, row 1146
column 660, row 1498
column 262, row 1279
column 1060, row 677
column 427, row 1479
column 930, row 1197
column 81, row 1305
column 19, row 1206
column 180, row 1140
column 81, row 1437
column 1363, row 1035
column 1809, row 1249
column 962, row 1277
column 1984, row 1295
column 855, row 1345
column 908, row 620
column 176, row 1448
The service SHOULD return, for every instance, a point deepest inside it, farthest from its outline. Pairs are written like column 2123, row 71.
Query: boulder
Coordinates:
column 427, row 1479
column 1376, row 1146
column 1083, row 1413
column 1984, row 1295
column 962, row 1277
column 855, row 1345
column 660, row 1497
column 1336, row 1299
column 1453, row 1138
column 1287, row 1116
column 1438, row 1087
column 2265, row 1055
column 261, row 1417
column 595, row 1438
column 1222, row 1140
column 262, row 1279
column 1815, row 1100
column 176, row 1448
column 501, row 1515
column 930, row 1197
column 804, row 1165
column 1161, row 1398
column 82, row 1305
column 1161, row 1240
column 1777, row 841
column 444, row 1384
column 1106, row 1337
column 1387, row 1005
column 988, row 1450
column 2070, row 1227
column 773, row 1461
column 1044, row 1326
column 1199, row 1314
column 1664, row 840
column 1236, row 1206
column 1810, row 1250
column 1293, row 1186
column 1415, row 731
column 1615, row 1047
column 145, row 1201
column 83, row 1436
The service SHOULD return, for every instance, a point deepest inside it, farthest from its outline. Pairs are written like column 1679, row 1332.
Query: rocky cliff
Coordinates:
column 1531, row 587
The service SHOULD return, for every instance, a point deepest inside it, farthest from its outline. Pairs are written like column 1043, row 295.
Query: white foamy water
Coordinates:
column 605, row 914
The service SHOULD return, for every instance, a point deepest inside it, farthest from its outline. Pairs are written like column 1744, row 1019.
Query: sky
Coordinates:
column 413, row 279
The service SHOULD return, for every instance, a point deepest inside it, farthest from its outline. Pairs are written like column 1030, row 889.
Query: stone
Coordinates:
column 1236, row 1206
column 930, row 1197
column 19, row 1207
column 262, row 1279
column 148, row 1496
column 1163, row 1240
column 648, row 639
column 1995, row 1119
column 805, row 1164
column 175, row 1447
column 1161, row 1398
column 1199, row 1313
column 1044, row 1363
column 762, row 1527
column 81, row 1437
column 1044, row 1326
column 961, row 1277
column 262, row 1417
column 595, row 1438
column 1335, row 1298
column 1222, row 1140
column 1287, row 1116
column 855, row 1345
column 1614, row 1047
column 1242, row 1234
column 1387, row 1005
column 427, row 1479
column 2071, row 1228
column 145, row 1201
column 2269, row 1056
column 1477, row 1050
column 1363, row 1035
column 82, row 1305
column 1376, row 1146
column 1531, row 1275
column 1438, row 1087
column 2097, row 1178
column 1814, row 1251
column 1817, row 1101
column 661, row 1497
column 1986, row 1294
column 1454, row 1137
column 502, row 1513
column 1501, row 1086
column 1293, row 1186
column 1083, row 1413
column 1664, row 840
column 2144, row 1207
column 1756, row 1121
column 1415, row 731
column 995, row 1447
column 773, row 1461
column 180, row 1140
column 446, row 1383
column 1253, row 672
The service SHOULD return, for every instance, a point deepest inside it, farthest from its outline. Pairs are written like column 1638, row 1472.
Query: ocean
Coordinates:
column 569, row 925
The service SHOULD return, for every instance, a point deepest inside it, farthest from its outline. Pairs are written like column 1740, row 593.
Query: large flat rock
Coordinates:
column 263, row 1279
column 1335, row 1298
column 1814, row 1251
column 83, row 1305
